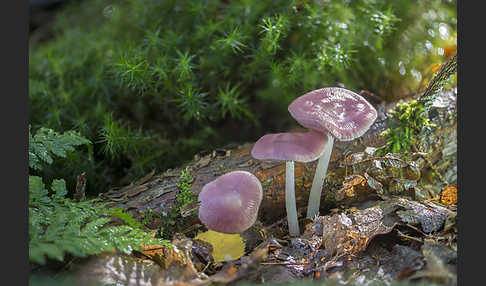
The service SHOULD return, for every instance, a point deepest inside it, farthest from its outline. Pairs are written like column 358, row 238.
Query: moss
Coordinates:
column 172, row 221
column 151, row 83
column 185, row 196
column 407, row 121
column 148, row 216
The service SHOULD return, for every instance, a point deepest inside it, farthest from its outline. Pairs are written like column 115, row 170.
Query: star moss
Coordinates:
column 151, row 83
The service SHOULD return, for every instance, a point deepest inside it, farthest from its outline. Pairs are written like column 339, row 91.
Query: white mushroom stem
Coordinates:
column 290, row 203
column 318, row 182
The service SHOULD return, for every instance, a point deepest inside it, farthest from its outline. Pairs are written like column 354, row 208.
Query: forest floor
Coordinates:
column 386, row 219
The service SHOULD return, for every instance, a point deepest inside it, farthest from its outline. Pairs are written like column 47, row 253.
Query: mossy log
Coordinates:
column 437, row 145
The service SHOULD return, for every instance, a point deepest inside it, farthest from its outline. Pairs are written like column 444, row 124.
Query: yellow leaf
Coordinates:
column 226, row 247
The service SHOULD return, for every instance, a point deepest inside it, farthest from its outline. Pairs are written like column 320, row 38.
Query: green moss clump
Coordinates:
column 406, row 122
column 151, row 83
column 184, row 197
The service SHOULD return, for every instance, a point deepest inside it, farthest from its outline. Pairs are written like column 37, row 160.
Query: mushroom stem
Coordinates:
column 290, row 203
column 318, row 182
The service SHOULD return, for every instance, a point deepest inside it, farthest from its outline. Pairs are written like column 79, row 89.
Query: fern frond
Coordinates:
column 59, row 226
column 47, row 143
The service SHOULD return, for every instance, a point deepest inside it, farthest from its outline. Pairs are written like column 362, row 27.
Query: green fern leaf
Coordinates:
column 46, row 143
column 59, row 226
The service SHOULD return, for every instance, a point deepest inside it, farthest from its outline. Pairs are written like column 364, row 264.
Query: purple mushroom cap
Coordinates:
column 300, row 147
column 343, row 113
column 230, row 203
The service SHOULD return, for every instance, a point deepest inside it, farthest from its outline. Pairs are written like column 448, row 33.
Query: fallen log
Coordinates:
column 435, row 154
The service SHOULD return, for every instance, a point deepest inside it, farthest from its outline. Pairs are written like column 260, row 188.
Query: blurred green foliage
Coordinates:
column 151, row 83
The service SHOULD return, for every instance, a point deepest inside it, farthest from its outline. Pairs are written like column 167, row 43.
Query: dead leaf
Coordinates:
column 354, row 158
column 449, row 195
column 146, row 178
column 374, row 184
column 352, row 233
column 431, row 217
column 161, row 254
column 226, row 247
column 355, row 189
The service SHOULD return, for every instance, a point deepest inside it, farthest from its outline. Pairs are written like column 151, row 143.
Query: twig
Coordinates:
column 80, row 194
column 409, row 237
column 438, row 82
column 416, row 229
column 283, row 263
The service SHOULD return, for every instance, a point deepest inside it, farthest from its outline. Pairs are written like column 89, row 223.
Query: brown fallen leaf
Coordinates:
column 448, row 195
column 351, row 233
column 174, row 260
column 146, row 178
column 355, row 189
column 161, row 254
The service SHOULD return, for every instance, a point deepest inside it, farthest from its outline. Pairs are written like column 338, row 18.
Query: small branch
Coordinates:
column 283, row 263
column 409, row 237
column 80, row 194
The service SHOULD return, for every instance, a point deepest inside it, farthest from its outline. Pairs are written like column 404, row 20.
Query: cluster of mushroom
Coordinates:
column 330, row 113
column 230, row 203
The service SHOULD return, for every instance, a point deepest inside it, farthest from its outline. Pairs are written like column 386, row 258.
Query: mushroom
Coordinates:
column 230, row 203
column 290, row 147
column 342, row 114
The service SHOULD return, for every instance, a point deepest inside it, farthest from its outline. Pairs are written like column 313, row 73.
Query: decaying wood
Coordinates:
column 437, row 146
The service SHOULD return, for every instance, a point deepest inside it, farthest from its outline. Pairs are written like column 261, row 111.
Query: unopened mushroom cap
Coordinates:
column 343, row 113
column 301, row 147
column 230, row 203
